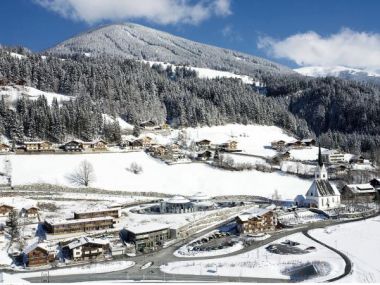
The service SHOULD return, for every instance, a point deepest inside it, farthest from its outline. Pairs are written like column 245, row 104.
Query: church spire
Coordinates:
column 320, row 163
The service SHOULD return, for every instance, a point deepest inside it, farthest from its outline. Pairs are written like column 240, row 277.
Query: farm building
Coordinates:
column 4, row 147
column 5, row 210
column 29, row 212
column 41, row 146
column 359, row 192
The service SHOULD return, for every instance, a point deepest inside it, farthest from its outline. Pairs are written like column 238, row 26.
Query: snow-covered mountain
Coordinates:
column 341, row 72
column 142, row 43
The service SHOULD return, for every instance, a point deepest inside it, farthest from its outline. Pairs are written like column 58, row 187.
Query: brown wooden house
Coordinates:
column 256, row 221
column 78, row 225
column 41, row 146
column 112, row 212
column 278, row 145
column 5, row 210
column 30, row 212
column 99, row 145
column 38, row 254
column 146, row 141
column 203, row 144
column 4, row 147
column 358, row 193
column 73, row 146
column 229, row 146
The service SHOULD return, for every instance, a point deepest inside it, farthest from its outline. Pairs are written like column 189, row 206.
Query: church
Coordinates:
column 321, row 194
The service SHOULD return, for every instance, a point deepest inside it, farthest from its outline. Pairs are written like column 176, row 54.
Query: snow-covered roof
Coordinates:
column 322, row 188
column 97, row 210
column 35, row 245
column 65, row 222
column 253, row 213
column 362, row 188
column 84, row 240
column 178, row 200
column 332, row 151
column 199, row 196
column 147, row 228
column 204, row 204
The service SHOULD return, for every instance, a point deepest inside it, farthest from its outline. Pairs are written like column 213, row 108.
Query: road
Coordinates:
column 165, row 256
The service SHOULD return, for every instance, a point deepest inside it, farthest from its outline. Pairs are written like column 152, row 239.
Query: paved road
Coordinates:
column 165, row 256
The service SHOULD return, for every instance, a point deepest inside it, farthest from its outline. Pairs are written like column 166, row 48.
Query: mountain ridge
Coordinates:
column 133, row 41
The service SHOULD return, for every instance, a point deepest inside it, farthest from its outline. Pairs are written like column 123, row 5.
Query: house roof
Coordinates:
column 35, row 245
column 361, row 188
column 199, row 196
column 85, row 240
column 65, row 222
column 97, row 210
column 148, row 228
column 325, row 188
column 253, row 213
column 178, row 200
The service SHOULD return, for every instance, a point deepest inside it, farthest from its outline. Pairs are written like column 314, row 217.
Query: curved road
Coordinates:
column 165, row 256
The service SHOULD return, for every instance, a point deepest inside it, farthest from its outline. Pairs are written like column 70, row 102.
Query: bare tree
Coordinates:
column 135, row 168
column 83, row 175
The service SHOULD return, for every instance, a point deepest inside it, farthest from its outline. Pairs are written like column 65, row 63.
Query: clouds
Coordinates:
column 347, row 47
column 158, row 11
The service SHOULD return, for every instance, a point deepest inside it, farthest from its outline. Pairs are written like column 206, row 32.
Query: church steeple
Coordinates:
column 321, row 172
column 320, row 163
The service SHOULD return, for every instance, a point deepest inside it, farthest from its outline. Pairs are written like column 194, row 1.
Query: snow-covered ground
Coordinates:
column 207, row 73
column 84, row 269
column 310, row 153
column 360, row 242
column 252, row 139
column 123, row 124
column 111, row 174
column 12, row 93
column 261, row 263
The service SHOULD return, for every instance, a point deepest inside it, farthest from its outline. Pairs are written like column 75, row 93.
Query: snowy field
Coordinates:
column 185, row 179
column 261, row 263
column 360, row 242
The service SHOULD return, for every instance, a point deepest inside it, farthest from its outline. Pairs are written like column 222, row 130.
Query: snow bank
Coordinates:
column 84, row 269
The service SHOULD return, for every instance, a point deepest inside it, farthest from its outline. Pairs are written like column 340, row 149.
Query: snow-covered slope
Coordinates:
column 184, row 179
column 12, row 92
column 123, row 124
column 339, row 71
column 143, row 43
column 208, row 73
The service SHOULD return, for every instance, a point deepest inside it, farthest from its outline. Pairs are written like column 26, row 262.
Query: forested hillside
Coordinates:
column 343, row 113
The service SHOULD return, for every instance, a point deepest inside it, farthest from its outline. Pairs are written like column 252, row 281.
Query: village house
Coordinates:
column 4, row 147
column 73, row 146
column 29, row 212
column 203, row 144
column 321, row 194
column 5, row 210
column 38, row 254
column 278, row 145
column 86, row 248
column 359, row 193
column 149, row 125
column 256, row 221
column 99, row 145
column 295, row 144
column 158, row 150
column 229, row 146
column 333, row 156
column 78, row 225
column 146, row 141
column 111, row 212
column 147, row 237
column 308, row 142
column 41, row 146
column 205, row 155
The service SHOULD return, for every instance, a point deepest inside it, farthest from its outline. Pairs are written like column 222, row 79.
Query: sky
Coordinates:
column 291, row 32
